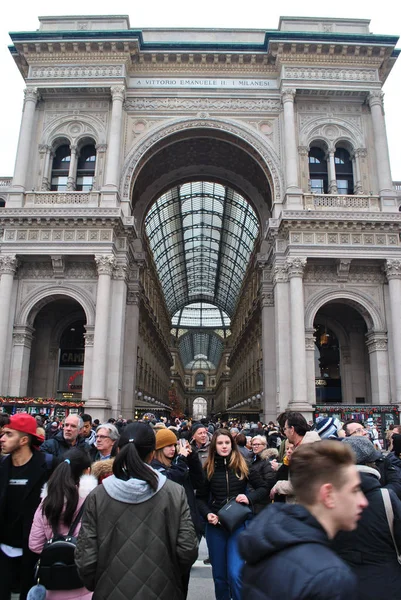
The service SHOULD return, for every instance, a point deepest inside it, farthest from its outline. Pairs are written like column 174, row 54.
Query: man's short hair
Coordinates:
column 350, row 422
column 86, row 418
column 298, row 422
column 112, row 429
column 313, row 465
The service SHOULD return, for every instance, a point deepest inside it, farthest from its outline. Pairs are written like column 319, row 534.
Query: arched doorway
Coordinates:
column 199, row 409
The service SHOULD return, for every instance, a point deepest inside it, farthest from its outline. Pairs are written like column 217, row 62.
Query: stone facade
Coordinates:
column 238, row 107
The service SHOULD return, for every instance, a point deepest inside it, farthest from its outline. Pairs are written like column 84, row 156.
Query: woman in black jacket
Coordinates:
column 369, row 550
column 227, row 477
column 261, row 464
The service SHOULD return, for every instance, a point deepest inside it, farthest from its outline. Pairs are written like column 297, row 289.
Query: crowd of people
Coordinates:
column 290, row 509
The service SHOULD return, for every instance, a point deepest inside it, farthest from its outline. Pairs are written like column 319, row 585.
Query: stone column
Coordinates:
column 88, row 360
column 24, row 150
column 310, row 364
column 98, row 399
column 72, row 172
column 100, row 156
column 376, row 342
column 290, row 140
column 299, row 399
column 346, row 375
column 356, row 157
column 8, row 267
column 46, row 175
column 282, row 336
column 331, row 168
column 130, row 383
column 268, row 351
column 116, row 337
column 380, row 141
column 114, row 145
column 21, row 354
column 393, row 273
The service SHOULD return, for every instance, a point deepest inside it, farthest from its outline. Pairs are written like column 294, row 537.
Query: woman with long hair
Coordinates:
column 137, row 536
column 62, row 498
column 227, row 477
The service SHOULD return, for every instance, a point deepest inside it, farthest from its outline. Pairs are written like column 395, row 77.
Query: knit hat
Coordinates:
column 165, row 437
column 25, row 424
column 327, row 427
column 197, row 426
column 364, row 449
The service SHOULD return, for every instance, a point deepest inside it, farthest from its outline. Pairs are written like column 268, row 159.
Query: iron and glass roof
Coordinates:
column 202, row 235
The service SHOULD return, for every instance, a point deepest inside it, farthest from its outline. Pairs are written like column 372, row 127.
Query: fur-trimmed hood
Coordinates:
column 87, row 483
column 102, row 468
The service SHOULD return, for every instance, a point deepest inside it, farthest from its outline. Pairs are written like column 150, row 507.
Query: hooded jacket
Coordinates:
column 260, row 464
column 135, row 542
column 41, row 532
column 369, row 550
column 288, row 556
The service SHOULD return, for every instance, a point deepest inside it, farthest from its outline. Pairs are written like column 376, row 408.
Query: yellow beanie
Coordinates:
column 165, row 437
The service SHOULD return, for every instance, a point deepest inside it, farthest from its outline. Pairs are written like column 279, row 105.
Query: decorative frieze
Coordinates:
column 316, row 238
column 330, row 273
column 343, row 267
column 60, row 235
column 331, row 74
column 236, row 105
column 76, row 71
column 58, row 265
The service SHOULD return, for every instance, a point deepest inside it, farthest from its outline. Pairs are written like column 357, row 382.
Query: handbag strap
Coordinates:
column 390, row 518
column 77, row 519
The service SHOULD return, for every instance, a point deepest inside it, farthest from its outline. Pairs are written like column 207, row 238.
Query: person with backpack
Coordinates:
column 59, row 512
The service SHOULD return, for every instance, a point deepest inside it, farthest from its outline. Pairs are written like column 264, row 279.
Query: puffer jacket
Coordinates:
column 369, row 550
column 225, row 485
column 288, row 556
column 41, row 532
column 58, row 446
column 136, row 543
column 261, row 465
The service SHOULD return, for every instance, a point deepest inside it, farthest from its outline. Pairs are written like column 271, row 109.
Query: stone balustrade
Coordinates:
column 62, row 198
column 5, row 182
column 328, row 202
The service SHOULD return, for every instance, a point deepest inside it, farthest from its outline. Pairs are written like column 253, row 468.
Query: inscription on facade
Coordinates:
column 198, row 82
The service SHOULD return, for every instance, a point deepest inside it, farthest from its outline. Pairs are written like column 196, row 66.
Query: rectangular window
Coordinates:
column 317, row 186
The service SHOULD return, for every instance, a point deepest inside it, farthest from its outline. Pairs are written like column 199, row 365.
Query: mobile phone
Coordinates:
column 182, row 442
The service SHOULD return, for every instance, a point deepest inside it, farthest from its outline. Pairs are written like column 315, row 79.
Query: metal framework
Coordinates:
column 200, row 344
column 202, row 235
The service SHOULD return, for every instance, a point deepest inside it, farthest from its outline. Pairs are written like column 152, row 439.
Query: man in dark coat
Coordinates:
column 66, row 438
column 287, row 547
column 23, row 473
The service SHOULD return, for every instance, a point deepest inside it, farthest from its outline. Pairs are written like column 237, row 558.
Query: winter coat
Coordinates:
column 41, row 532
column 288, row 557
column 202, row 452
column 390, row 473
column 58, row 446
column 136, row 543
column 187, row 472
column 369, row 550
column 225, row 484
column 246, row 453
column 261, row 465
column 42, row 471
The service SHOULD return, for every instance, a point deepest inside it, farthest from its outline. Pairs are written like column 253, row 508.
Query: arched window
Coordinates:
column 200, row 380
column 319, row 181
column 2, row 203
column 86, row 168
column 344, row 175
column 60, row 168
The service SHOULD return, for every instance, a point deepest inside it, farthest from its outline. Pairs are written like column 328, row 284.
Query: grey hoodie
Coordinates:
column 133, row 491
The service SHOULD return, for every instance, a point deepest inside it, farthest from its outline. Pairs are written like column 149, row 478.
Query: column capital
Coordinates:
column 120, row 271
column 303, row 150
column 22, row 335
column 118, row 92
column 310, row 339
column 89, row 335
column 375, row 98
column 288, row 95
column 359, row 153
column 267, row 295
column 376, row 341
column 8, row 264
column 280, row 274
column 44, row 148
column 133, row 295
column 393, row 268
column 31, row 94
column 295, row 266
column 101, row 148
column 105, row 264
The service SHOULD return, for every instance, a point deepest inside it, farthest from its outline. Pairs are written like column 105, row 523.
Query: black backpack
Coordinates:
column 56, row 568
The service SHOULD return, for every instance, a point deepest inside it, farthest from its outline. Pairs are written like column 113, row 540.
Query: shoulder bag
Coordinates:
column 390, row 518
column 233, row 514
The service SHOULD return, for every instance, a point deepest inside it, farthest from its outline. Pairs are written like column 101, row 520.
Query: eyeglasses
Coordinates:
column 102, row 437
column 257, row 445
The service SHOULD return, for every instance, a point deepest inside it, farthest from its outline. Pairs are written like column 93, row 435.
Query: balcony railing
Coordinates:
column 62, row 198
column 327, row 202
column 5, row 182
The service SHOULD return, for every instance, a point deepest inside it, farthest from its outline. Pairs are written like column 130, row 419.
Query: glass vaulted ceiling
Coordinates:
column 202, row 235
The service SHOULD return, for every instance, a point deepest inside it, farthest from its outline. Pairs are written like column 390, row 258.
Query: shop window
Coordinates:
column 327, row 365
column 2, row 203
column 318, row 176
column 71, row 360
column 60, row 168
column 86, row 168
column 344, row 173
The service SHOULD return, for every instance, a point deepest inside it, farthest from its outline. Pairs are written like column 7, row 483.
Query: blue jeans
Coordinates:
column 226, row 562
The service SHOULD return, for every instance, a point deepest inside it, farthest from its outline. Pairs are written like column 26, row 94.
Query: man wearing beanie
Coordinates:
column 23, row 473
column 200, row 441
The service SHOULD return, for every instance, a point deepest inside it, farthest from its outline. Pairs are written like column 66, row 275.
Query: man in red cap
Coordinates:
column 23, row 473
